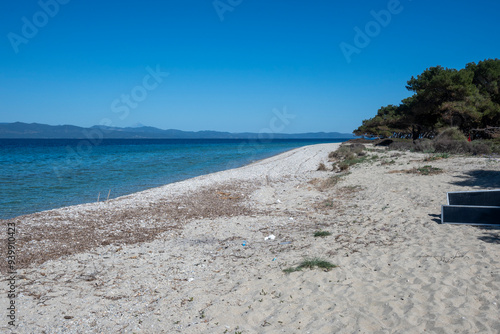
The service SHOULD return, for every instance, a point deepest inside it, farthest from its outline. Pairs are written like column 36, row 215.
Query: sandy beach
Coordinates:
column 207, row 255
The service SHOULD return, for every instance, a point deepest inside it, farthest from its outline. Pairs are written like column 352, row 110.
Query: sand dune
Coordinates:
column 191, row 257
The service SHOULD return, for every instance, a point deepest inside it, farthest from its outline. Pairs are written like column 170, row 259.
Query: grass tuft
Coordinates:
column 322, row 234
column 316, row 262
column 311, row 264
column 321, row 167
column 428, row 170
column 290, row 270
column 437, row 157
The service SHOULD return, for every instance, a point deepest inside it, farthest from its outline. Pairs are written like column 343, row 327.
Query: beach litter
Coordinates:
column 270, row 237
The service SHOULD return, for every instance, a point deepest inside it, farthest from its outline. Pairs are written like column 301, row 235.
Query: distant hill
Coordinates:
column 36, row 130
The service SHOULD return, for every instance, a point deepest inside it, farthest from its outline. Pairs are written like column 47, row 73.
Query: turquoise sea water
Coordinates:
column 42, row 174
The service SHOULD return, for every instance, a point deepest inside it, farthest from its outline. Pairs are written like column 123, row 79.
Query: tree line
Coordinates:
column 468, row 99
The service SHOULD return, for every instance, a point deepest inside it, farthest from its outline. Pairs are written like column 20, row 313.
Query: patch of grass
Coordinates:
column 316, row 262
column 429, row 170
column 327, row 183
column 321, row 167
column 443, row 155
column 328, row 203
column 344, row 165
column 348, row 155
column 290, row 270
column 347, row 151
column 311, row 264
column 437, row 157
column 331, row 181
column 387, row 162
column 322, row 234
column 425, row 170
column 354, row 161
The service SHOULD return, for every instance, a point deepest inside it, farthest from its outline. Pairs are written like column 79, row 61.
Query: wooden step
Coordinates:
column 480, row 197
column 469, row 214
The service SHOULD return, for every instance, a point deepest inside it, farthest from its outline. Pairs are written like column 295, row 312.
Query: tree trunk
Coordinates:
column 415, row 132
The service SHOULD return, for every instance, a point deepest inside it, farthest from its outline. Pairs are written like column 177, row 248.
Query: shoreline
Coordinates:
column 128, row 209
column 225, row 166
column 210, row 269
column 189, row 179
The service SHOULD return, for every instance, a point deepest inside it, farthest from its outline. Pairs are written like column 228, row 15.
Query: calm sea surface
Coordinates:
column 43, row 174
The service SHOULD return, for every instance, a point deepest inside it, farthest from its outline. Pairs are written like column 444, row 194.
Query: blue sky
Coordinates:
column 231, row 64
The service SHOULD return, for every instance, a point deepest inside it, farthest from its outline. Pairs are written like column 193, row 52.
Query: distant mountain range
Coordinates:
column 35, row 130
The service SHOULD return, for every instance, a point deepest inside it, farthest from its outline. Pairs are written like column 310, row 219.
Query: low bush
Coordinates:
column 343, row 166
column 479, row 147
column 449, row 140
column 451, row 134
column 361, row 141
column 347, row 151
column 425, row 145
column 383, row 142
column 494, row 145
column 443, row 145
column 406, row 145
column 348, row 155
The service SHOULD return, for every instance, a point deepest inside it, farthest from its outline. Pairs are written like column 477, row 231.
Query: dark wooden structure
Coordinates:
column 472, row 208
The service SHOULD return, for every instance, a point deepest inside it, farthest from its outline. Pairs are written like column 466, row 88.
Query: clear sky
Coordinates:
column 232, row 65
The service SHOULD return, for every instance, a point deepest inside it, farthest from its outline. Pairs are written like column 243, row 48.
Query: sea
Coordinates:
column 44, row 174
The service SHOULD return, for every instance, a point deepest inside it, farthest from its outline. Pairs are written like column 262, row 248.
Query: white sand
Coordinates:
column 399, row 271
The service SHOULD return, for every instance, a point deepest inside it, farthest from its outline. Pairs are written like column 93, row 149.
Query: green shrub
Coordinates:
column 357, row 148
column 348, row 155
column 425, row 145
column 383, row 142
column 322, row 234
column 451, row 146
column 428, row 170
column 347, row 151
column 451, row 134
column 479, row 147
column 494, row 145
column 406, row 145
column 343, row 166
